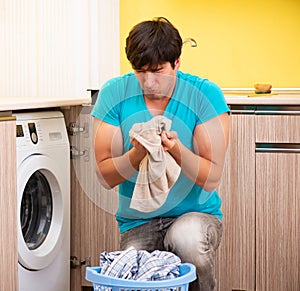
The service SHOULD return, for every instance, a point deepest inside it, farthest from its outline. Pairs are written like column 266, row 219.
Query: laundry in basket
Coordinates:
column 140, row 264
column 132, row 270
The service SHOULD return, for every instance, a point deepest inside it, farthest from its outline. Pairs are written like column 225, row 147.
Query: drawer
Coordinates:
column 277, row 128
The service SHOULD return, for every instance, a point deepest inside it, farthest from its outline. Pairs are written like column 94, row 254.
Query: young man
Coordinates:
column 188, row 223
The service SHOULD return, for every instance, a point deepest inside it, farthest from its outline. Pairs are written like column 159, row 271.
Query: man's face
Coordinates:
column 159, row 82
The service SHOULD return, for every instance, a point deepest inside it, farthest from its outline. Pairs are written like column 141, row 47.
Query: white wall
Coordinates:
column 57, row 47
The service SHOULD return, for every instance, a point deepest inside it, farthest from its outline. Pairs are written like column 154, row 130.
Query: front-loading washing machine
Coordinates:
column 43, row 190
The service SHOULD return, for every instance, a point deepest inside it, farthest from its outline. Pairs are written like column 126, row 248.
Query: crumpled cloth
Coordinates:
column 140, row 265
column 158, row 171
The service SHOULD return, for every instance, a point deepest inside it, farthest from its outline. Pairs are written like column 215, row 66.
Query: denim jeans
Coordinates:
column 194, row 237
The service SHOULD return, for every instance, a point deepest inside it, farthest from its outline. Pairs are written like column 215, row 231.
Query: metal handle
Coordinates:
column 76, row 263
column 278, row 110
column 277, row 148
column 75, row 128
column 242, row 109
column 76, row 153
column 265, row 109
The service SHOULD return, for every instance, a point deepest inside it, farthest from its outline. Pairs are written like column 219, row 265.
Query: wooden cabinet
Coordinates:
column 224, row 252
column 8, row 206
column 260, row 192
column 93, row 224
column 235, row 266
column 277, row 221
column 261, row 203
column 242, row 193
column 54, row 55
column 278, row 202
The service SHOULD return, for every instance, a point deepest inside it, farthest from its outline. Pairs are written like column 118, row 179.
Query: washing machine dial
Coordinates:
column 32, row 132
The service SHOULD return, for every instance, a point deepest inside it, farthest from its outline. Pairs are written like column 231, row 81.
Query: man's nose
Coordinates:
column 149, row 80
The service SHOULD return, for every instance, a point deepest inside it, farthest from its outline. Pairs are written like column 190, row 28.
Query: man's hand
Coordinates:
column 138, row 146
column 168, row 140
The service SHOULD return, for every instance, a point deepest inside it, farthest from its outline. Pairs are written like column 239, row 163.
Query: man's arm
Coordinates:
column 114, row 167
column 205, row 166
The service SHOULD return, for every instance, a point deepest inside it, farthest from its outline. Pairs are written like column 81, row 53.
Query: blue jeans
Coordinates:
column 194, row 237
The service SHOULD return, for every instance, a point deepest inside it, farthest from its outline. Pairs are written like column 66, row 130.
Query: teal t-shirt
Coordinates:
column 195, row 100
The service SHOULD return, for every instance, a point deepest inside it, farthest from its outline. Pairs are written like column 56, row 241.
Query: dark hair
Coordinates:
column 152, row 43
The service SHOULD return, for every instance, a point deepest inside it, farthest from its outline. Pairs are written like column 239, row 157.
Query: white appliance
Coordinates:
column 43, row 187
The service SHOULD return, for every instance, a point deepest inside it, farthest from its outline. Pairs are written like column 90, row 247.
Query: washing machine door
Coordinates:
column 40, row 212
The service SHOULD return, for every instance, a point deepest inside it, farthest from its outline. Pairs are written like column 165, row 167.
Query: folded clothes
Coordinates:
column 140, row 265
column 158, row 171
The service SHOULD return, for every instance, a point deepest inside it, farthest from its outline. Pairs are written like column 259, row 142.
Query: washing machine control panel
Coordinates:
column 27, row 131
column 43, row 132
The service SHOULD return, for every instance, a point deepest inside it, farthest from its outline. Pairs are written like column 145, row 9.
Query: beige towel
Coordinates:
column 158, row 171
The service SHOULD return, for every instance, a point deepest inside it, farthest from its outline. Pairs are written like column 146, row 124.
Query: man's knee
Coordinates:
column 192, row 235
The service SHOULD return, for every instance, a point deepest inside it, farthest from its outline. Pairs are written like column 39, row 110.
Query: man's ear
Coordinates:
column 177, row 64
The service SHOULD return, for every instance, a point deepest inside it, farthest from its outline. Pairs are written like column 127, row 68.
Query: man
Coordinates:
column 188, row 223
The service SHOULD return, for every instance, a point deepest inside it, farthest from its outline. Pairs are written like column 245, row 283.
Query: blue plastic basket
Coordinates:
column 106, row 283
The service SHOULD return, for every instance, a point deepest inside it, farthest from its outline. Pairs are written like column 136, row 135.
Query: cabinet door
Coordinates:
column 242, row 183
column 277, row 221
column 277, row 203
column 93, row 224
column 224, row 252
column 8, row 206
column 235, row 265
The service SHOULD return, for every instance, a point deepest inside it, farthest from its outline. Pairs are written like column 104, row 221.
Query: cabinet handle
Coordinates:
column 242, row 109
column 265, row 109
column 277, row 147
column 277, row 110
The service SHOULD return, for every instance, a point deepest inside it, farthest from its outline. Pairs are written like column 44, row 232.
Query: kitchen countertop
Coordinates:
column 280, row 97
column 20, row 103
column 9, row 104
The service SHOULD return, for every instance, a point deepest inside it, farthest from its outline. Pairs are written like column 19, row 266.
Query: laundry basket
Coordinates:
column 106, row 283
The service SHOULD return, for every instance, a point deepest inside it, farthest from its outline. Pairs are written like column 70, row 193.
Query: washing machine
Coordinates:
column 43, row 190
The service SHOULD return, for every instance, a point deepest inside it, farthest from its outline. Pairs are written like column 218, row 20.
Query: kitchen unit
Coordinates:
column 259, row 250
column 277, row 199
column 93, row 225
column 8, row 179
column 260, row 192
column 238, row 258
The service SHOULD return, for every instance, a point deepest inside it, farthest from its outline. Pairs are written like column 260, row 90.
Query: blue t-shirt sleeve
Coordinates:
column 212, row 102
column 108, row 104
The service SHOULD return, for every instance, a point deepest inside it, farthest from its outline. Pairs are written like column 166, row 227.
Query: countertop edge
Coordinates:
column 21, row 103
column 35, row 103
column 244, row 100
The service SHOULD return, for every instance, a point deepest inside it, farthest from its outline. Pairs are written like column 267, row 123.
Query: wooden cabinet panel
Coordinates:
column 278, row 203
column 277, row 221
column 235, row 264
column 278, row 128
column 224, row 252
column 93, row 224
column 243, row 201
column 259, row 248
column 8, row 206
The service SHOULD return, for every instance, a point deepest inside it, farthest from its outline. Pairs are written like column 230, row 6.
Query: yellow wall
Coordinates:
column 240, row 42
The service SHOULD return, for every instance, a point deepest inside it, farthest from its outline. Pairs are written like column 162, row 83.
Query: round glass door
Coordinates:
column 41, row 210
column 36, row 210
